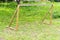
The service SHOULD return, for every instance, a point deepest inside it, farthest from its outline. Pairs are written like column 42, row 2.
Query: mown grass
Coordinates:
column 30, row 27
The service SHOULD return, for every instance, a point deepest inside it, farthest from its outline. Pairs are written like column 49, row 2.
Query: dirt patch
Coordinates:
column 2, row 39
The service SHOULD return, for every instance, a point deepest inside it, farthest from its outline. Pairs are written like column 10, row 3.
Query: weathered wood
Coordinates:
column 13, row 17
column 32, row 0
column 51, row 13
column 33, row 5
column 17, row 18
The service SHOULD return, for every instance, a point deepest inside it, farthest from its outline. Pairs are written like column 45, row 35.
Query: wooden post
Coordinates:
column 17, row 18
column 16, row 14
column 13, row 17
column 51, row 11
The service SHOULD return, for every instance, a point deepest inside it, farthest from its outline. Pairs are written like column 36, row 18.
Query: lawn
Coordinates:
column 30, row 26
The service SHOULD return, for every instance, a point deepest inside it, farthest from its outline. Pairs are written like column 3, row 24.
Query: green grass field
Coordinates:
column 30, row 26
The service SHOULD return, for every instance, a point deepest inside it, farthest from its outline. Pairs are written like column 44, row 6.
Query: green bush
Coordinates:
column 56, row 14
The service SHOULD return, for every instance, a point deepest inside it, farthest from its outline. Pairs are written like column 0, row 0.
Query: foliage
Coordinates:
column 55, row 0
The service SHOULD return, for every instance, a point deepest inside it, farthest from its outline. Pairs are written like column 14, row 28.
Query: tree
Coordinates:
column 57, row 0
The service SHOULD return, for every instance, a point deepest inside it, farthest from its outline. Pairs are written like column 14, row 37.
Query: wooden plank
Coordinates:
column 17, row 18
column 32, row 0
column 33, row 5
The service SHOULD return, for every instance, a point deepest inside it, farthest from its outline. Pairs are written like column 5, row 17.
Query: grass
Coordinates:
column 29, row 20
